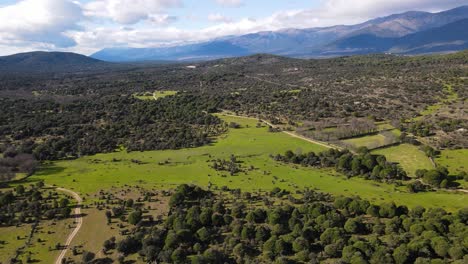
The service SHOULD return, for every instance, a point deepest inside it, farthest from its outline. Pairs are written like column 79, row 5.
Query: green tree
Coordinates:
column 134, row 217
column 401, row 254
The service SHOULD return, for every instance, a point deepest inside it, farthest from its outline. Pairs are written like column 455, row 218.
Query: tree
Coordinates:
column 64, row 202
column 134, row 217
column 128, row 245
column 88, row 256
column 129, row 203
column 66, row 211
column 300, row 244
column 203, row 234
column 178, row 255
column 19, row 190
column 331, row 235
column 440, row 246
column 352, row 226
column 401, row 254
column 262, row 233
column 108, row 216
column 433, row 177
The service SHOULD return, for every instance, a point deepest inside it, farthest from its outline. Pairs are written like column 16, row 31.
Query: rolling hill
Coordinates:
column 40, row 61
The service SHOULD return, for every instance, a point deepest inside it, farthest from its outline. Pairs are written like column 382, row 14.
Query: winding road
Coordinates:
column 78, row 221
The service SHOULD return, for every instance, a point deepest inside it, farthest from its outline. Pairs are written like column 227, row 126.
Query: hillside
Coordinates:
column 49, row 62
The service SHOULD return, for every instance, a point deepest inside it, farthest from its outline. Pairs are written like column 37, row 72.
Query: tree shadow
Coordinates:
column 49, row 169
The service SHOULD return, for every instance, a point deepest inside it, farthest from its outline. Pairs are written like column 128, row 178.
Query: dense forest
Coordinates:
column 89, row 107
column 278, row 227
column 51, row 129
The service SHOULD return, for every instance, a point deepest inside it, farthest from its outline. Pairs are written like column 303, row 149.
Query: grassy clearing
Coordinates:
column 155, row 95
column 373, row 141
column 454, row 160
column 383, row 126
column 161, row 94
column 10, row 242
column 451, row 96
column 93, row 233
column 50, row 233
column 251, row 145
column 408, row 156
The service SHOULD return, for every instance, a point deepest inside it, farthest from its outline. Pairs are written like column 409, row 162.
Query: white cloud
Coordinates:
column 59, row 24
column 218, row 18
column 39, row 23
column 230, row 3
column 374, row 8
column 128, row 11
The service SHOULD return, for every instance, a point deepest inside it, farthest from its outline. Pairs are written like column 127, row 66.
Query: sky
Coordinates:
column 86, row 26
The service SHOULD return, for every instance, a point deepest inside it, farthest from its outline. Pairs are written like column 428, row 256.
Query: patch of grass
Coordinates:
column 161, row 94
column 383, row 126
column 451, row 96
column 155, row 95
column 10, row 243
column 454, row 160
column 408, row 156
column 50, row 233
column 374, row 141
column 295, row 91
column 93, row 233
column 252, row 146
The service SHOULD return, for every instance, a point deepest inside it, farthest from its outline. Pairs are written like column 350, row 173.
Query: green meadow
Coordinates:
column 374, row 141
column 252, row 146
column 408, row 156
column 155, row 95
column 455, row 160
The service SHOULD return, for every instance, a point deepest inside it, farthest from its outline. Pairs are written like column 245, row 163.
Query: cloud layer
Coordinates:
column 40, row 21
column 87, row 26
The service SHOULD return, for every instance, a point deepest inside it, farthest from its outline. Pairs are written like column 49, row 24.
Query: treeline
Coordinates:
column 50, row 129
column 13, row 162
column 370, row 166
column 203, row 228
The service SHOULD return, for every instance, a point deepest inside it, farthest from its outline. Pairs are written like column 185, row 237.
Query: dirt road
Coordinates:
column 78, row 221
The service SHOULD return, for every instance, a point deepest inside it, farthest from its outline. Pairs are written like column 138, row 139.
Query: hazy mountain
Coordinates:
column 450, row 37
column 40, row 61
column 375, row 35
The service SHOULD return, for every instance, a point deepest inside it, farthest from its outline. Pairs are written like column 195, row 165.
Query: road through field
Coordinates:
column 78, row 220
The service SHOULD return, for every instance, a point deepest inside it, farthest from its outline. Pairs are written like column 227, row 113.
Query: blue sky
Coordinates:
column 86, row 26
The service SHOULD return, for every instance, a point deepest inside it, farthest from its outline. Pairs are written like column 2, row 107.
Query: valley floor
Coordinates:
column 252, row 144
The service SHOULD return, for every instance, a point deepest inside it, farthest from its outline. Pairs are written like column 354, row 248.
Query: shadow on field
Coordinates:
column 49, row 169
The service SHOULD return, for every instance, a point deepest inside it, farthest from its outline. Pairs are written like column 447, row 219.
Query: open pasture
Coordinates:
column 408, row 156
column 252, row 145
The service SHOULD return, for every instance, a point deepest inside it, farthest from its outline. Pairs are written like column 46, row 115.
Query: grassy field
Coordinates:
column 155, row 95
column 408, row 156
column 10, row 242
column 252, row 146
column 455, row 160
column 373, row 141
column 50, row 233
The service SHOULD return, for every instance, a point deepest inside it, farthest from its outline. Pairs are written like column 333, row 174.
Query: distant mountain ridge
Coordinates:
column 366, row 37
column 40, row 61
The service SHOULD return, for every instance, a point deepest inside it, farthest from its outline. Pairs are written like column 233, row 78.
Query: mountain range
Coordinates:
column 412, row 32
